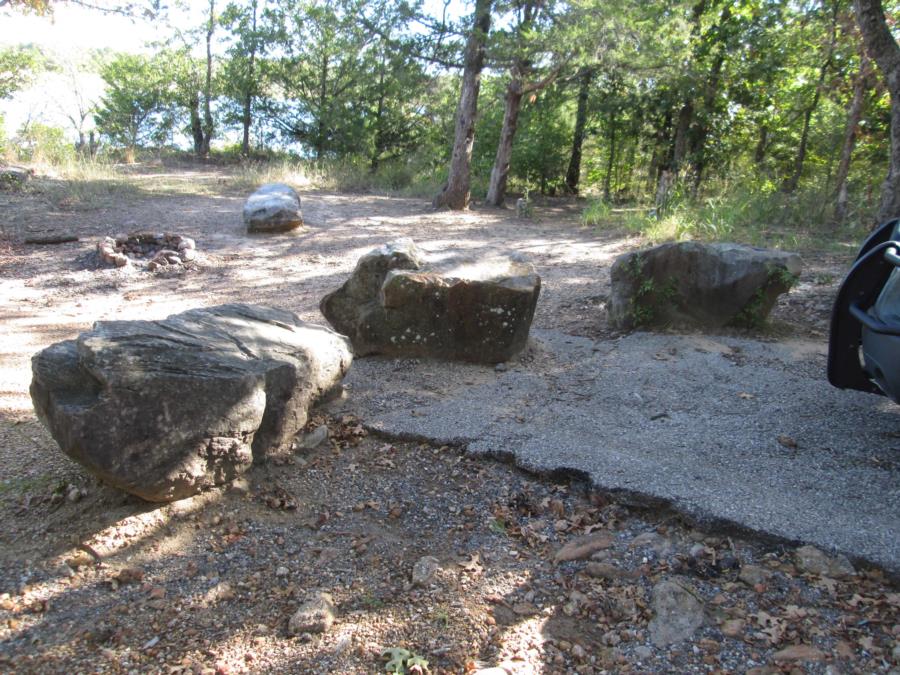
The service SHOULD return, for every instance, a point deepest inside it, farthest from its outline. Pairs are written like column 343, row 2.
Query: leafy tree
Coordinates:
column 18, row 68
column 242, row 72
column 527, row 42
column 321, row 75
column 135, row 109
column 456, row 192
column 37, row 142
column 884, row 50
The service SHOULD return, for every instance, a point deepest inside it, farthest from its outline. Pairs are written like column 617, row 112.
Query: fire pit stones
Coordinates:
column 146, row 248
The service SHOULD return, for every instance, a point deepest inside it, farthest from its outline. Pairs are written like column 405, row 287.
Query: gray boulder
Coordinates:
column 164, row 409
column 677, row 612
column 395, row 303
column 274, row 207
column 689, row 284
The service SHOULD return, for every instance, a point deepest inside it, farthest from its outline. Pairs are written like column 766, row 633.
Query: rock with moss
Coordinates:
column 476, row 309
column 696, row 285
column 164, row 409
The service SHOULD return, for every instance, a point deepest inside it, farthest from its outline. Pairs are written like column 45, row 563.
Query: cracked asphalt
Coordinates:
column 732, row 432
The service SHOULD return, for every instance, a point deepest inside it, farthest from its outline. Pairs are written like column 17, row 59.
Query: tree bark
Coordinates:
column 662, row 152
column 323, row 98
column 573, row 174
column 247, row 118
column 611, row 160
column 207, row 88
column 701, row 128
column 378, row 145
column 196, row 124
column 854, row 114
column 680, row 145
column 500, row 172
column 455, row 194
column 883, row 49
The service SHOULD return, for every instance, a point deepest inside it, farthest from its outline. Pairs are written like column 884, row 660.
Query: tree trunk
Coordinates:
column 883, row 49
column 323, row 98
column 455, row 194
column 378, row 145
column 246, row 118
column 611, row 161
column 663, row 191
column 207, row 88
column 500, row 172
column 854, row 114
column 790, row 185
column 246, row 121
column 680, row 145
column 662, row 153
column 196, row 124
column 701, row 128
column 573, row 175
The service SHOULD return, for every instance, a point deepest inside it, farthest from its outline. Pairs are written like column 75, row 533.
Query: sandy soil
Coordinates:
column 95, row 581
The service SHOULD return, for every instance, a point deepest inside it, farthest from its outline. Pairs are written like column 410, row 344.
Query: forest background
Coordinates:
column 704, row 119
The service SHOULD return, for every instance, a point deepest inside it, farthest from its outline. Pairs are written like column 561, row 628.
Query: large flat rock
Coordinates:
column 692, row 421
column 164, row 409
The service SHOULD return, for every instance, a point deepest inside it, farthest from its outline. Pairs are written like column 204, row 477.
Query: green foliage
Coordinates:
column 498, row 526
column 19, row 66
column 744, row 210
column 714, row 94
column 753, row 315
column 540, row 153
column 596, row 213
column 403, row 661
column 650, row 296
column 41, row 143
column 352, row 87
column 135, row 111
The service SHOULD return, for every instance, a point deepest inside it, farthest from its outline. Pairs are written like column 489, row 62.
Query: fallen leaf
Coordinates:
column 799, row 653
column 582, row 547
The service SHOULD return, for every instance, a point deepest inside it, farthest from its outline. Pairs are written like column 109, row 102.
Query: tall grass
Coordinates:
column 411, row 178
column 739, row 211
column 74, row 182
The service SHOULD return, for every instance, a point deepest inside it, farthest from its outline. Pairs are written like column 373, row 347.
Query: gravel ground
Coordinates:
column 94, row 581
column 101, row 583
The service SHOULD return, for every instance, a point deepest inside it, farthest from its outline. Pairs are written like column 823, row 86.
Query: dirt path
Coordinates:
column 214, row 579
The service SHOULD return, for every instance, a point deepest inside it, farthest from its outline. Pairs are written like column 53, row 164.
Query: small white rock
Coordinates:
column 424, row 570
